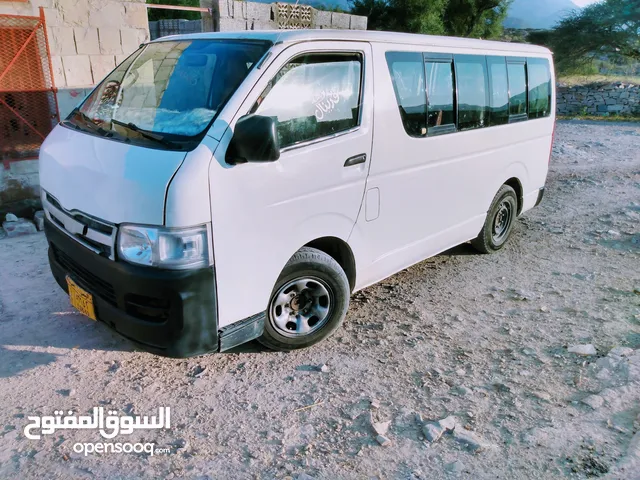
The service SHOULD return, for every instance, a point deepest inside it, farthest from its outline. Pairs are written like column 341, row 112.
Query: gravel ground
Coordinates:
column 485, row 339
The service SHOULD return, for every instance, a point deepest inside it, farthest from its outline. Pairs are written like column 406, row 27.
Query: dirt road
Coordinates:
column 482, row 338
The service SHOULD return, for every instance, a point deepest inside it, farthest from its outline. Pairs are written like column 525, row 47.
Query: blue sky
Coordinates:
column 583, row 3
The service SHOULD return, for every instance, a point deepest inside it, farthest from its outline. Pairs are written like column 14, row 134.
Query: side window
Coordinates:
column 499, row 91
column 407, row 75
column 440, row 94
column 471, row 78
column 313, row 96
column 517, row 89
column 539, row 87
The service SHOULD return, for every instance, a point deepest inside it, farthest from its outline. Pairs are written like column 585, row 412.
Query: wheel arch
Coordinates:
column 515, row 183
column 341, row 252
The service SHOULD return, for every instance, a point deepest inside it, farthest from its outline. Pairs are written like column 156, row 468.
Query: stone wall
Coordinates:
column 599, row 99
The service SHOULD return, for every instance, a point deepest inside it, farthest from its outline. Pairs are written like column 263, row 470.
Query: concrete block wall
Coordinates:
column 230, row 15
column 599, row 99
column 87, row 37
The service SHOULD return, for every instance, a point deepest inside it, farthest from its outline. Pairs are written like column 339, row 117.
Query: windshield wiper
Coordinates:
column 145, row 133
column 88, row 122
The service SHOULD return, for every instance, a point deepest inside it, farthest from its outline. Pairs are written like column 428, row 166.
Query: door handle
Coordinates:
column 357, row 160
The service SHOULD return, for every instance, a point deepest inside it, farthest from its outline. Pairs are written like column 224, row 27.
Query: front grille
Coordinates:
column 91, row 223
column 91, row 232
column 85, row 278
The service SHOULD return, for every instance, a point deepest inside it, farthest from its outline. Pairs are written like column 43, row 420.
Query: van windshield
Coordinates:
column 167, row 92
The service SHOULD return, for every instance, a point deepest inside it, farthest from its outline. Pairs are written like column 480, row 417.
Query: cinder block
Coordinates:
column 108, row 14
column 74, row 13
column 358, row 22
column 121, row 58
column 69, row 98
column 258, row 11
column 58, row 71
column 322, row 19
column 239, row 9
column 87, row 40
column 136, row 15
column 61, row 41
column 261, row 25
column 340, row 20
column 77, row 70
column 131, row 39
column 109, row 39
column 101, row 66
column 232, row 24
column 23, row 167
column 53, row 17
column 225, row 8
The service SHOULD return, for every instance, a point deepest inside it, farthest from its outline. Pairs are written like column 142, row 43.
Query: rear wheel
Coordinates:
column 499, row 223
column 308, row 303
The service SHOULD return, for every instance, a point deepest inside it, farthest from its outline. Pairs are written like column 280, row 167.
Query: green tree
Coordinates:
column 161, row 14
column 376, row 11
column 476, row 18
column 462, row 18
column 607, row 29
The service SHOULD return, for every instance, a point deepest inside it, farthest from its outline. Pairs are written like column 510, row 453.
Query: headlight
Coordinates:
column 176, row 249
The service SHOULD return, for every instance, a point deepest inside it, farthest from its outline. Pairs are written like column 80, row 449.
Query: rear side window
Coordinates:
column 539, row 87
column 313, row 96
column 517, row 89
column 498, row 91
column 471, row 77
column 407, row 76
column 440, row 94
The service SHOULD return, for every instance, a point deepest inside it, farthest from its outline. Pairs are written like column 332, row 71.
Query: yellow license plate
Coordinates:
column 81, row 299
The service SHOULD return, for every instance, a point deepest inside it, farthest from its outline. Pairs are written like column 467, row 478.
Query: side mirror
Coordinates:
column 255, row 139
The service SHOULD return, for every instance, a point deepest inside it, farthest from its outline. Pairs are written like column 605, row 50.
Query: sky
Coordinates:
column 583, row 3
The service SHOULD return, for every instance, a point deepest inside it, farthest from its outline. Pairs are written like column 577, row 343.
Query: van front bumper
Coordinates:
column 168, row 312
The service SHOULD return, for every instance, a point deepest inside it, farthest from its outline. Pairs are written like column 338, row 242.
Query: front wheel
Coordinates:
column 499, row 223
column 308, row 303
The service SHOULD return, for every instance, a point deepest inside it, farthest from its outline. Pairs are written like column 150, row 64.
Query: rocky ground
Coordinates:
column 524, row 364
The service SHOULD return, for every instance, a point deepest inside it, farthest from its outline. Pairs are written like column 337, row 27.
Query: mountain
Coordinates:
column 538, row 13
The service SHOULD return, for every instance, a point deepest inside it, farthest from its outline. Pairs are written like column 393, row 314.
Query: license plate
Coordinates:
column 81, row 299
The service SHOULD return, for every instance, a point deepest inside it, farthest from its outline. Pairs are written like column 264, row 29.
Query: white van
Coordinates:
column 221, row 187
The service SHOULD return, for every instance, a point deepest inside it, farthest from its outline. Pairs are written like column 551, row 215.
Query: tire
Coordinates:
column 308, row 303
column 499, row 223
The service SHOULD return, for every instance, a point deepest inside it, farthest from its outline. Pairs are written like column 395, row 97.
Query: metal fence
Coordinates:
column 161, row 28
column 28, row 105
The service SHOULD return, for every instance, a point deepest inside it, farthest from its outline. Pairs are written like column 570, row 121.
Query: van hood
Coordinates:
column 109, row 180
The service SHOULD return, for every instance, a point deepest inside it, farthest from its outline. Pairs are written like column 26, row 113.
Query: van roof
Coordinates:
column 295, row 36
